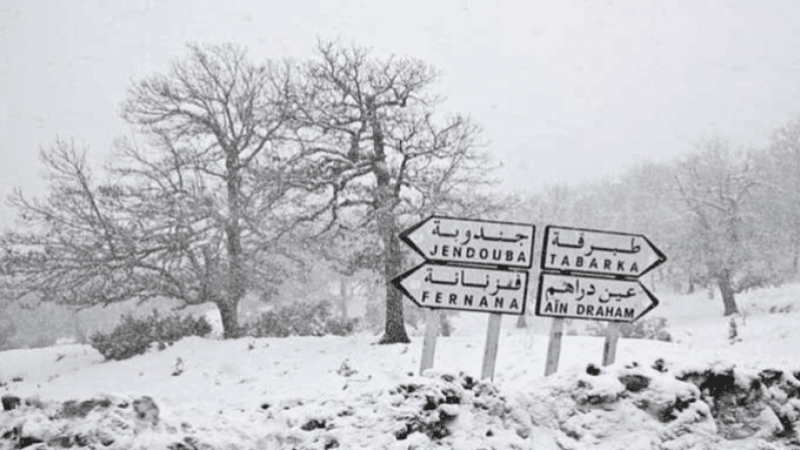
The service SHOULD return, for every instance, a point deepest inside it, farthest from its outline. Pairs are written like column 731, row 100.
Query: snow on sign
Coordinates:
column 594, row 298
column 465, row 288
column 575, row 250
column 450, row 240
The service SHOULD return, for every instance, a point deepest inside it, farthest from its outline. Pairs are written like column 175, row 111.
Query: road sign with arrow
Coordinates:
column 465, row 288
column 595, row 298
column 577, row 250
column 479, row 242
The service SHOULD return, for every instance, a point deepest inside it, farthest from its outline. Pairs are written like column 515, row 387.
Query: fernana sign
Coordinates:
column 465, row 288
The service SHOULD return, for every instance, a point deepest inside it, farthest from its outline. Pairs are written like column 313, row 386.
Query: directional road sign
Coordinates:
column 465, row 288
column 576, row 250
column 480, row 242
column 594, row 298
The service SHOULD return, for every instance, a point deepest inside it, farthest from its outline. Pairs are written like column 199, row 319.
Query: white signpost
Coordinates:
column 593, row 274
column 470, row 265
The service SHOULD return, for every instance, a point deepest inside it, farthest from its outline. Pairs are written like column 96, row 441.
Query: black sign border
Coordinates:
column 539, row 299
column 662, row 258
column 405, row 233
column 396, row 283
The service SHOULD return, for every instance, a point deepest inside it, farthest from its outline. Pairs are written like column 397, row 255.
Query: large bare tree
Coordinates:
column 369, row 127
column 192, row 208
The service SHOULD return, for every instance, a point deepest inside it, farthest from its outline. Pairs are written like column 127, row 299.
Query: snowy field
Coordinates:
column 711, row 392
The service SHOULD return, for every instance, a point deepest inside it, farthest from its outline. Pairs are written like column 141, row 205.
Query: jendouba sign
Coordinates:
column 465, row 288
column 593, row 298
column 449, row 240
column 577, row 250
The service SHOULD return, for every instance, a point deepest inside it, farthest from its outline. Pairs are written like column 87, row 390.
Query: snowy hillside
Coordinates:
column 708, row 392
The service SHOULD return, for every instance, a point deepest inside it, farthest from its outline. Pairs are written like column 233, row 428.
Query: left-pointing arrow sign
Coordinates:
column 465, row 288
column 479, row 242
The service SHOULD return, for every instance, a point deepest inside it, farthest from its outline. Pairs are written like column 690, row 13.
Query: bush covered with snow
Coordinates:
column 133, row 336
column 105, row 422
column 442, row 410
column 7, row 329
column 652, row 407
column 301, row 319
column 654, row 328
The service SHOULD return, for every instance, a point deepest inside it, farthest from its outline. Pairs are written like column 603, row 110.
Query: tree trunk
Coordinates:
column 229, row 317
column 343, row 297
column 395, row 332
column 725, row 288
column 235, row 291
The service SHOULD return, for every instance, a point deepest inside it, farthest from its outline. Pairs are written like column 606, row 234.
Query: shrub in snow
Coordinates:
column 745, row 404
column 445, row 411
column 7, row 330
column 105, row 422
column 654, row 328
column 133, row 336
column 301, row 319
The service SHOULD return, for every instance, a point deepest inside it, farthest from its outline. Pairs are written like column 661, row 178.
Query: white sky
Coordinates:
column 565, row 90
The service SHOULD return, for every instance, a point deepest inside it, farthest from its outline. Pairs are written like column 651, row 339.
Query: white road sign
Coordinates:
column 575, row 250
column 450, row 240
column 465, row 288
column 594, row 298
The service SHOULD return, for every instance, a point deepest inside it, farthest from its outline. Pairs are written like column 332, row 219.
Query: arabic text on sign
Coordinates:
column 579, row 244
column 469, row 235
column 512, row 281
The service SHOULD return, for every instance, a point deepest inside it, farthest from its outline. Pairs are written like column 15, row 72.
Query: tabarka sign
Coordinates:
column 478, row 242
column 576, row 250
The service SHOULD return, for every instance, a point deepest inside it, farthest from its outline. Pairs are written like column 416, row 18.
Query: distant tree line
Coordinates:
column 726, row 217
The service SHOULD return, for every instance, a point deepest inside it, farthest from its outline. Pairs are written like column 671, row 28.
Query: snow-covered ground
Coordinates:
column 346, row 392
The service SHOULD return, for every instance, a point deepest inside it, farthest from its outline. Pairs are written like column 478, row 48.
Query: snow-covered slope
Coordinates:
column 709, row 391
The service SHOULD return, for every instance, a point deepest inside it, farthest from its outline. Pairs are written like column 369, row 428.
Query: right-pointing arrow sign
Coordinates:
column 577, row 250
column 595, row 298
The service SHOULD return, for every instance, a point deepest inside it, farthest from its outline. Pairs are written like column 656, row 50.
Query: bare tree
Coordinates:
column 368, row 125
column 190, row 214
column 716, row 185
column 783, row 159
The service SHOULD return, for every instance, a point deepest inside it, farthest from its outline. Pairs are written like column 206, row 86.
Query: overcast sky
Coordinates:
column 565, row 90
